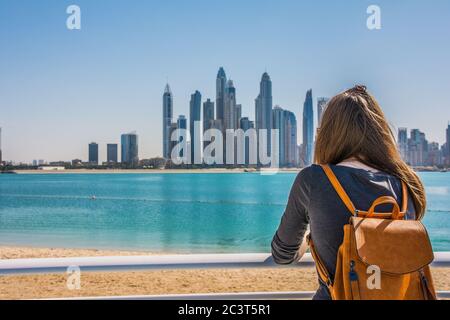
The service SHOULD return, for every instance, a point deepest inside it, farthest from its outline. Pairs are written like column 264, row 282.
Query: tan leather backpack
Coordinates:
column 382, row 257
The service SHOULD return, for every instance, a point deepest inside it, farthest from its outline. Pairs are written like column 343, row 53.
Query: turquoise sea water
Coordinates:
column 166, row 212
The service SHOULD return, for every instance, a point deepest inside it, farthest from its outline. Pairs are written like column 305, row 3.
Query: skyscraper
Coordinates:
column 447, row 146
column 229, row 112
column 208, row 117
column 434, row 157
column 263, row 110
column 93, row 153
column 194, row 116
column 308, row 129
column 402, row 142
column 286, row 123
column 238, row 115
column 221, row 82
column 130, row 151
column 182, row 125
column 111, row 152
column 321, row 106
column 279, row 123
column 182, row 122
column 417, row 148
column 172, row 144
column 291, row 139
column 447, row 138
column 167, row 120
column 208, row 114
column 245, row 124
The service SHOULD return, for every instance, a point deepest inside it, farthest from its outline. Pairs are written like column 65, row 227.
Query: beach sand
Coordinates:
column 157, row 282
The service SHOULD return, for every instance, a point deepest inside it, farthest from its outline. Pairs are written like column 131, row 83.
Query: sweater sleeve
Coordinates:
column 295, row 220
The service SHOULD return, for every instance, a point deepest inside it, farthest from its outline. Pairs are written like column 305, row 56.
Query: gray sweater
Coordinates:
column 314, row 202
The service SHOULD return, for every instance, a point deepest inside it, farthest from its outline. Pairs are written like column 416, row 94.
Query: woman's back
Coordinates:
column 314, row 201
column 353, row 132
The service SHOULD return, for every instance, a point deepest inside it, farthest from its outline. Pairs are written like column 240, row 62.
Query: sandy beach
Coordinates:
column 156, row 282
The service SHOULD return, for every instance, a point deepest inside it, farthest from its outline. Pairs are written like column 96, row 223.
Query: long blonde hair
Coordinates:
column 354, row 126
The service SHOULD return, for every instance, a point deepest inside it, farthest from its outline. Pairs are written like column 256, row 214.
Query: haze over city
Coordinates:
column 62, row 89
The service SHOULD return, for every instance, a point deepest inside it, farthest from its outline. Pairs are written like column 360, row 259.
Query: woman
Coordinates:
column 355, row 140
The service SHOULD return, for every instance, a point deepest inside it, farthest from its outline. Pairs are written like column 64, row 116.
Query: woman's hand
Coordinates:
column 303, row 247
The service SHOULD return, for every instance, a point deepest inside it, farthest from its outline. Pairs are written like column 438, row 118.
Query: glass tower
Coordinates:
column 263, row 109
column 194, row 116
column 111, row 153
column 321, row 106
column 181, row 125
column 308, row 129
column 167, row 120
column 93, row 153
column 221, row 82
column 130, row 149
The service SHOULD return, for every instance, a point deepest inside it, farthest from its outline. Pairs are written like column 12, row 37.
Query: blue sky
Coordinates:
column 61, row 89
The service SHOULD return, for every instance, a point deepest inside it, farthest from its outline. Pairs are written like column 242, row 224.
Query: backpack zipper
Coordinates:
column 353, row 274
column 425, row 287
column 354, row 285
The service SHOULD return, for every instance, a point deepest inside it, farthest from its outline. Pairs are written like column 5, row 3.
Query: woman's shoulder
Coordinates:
column 311, row 170
column 310, row 174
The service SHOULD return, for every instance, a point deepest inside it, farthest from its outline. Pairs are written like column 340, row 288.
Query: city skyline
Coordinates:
column 107, row 77
column 415, row 148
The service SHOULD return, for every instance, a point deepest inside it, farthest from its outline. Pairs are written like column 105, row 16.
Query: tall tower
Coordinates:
column 167, row 120
column 195, row 107
column 181, row 125
column 308, row 129
column 129, row 149
column 447, row 138
column 279, row 122
column 290, row 138
column 221, row 82
column 111, row 152
column 286, row 123
column 402, row 142
column 229, row 112
column 208, row 114
column 321, row 106
column 263, row 109
column 245, row 124
column 208, row 117
column 238, row 115
column 93, row 153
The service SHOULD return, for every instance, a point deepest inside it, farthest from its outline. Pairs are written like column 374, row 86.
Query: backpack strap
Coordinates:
column 320, row 266
column 360, row 213
column 339, row 189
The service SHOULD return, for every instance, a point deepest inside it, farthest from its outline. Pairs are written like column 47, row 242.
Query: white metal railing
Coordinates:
column 162, row 262
column 152, row 262
column 171, row 262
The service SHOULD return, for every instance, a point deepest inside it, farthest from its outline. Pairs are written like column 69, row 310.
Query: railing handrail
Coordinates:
column 162, row 262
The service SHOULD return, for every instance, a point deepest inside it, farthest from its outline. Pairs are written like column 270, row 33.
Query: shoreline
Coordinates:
column 180, row 171
column 149, row 171
column 29, row 252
